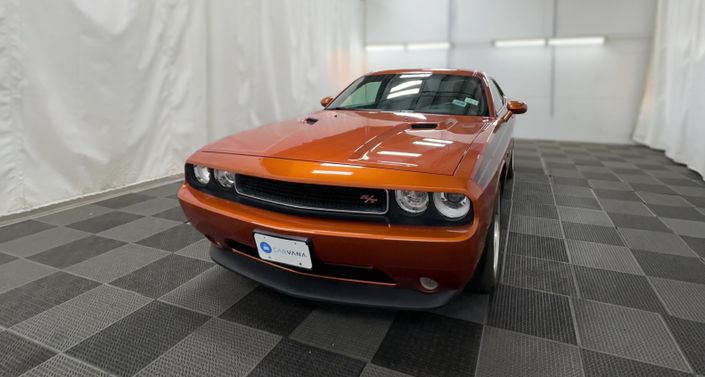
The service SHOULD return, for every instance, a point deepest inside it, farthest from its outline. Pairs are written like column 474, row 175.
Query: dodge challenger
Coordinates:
column 389, row 196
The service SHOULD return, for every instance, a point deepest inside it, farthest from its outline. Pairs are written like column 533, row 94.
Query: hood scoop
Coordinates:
column 423, row 126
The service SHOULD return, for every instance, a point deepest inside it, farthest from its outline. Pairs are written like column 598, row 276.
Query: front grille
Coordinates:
column 314, row 197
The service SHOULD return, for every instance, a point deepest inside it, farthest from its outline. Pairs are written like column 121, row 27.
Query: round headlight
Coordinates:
column 451, row 205
column 412, row 201
column 203, row 175
column 225, row 178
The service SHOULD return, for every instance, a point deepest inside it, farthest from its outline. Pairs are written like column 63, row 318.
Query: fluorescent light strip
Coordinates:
column 535, row 42
column 578, row 41
column 429, row 144
column 397, row 47
column 438, row 140
column 428, row 46
column 331, row 172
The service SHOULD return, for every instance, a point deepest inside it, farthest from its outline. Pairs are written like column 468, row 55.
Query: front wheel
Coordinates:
column 487, row 271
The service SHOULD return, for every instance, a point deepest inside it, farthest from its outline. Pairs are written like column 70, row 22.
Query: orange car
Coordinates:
column 390, row 196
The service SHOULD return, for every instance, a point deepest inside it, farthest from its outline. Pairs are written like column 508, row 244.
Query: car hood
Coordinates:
column 407, row 141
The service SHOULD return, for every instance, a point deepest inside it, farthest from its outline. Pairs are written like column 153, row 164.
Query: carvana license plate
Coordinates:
column 282, row 250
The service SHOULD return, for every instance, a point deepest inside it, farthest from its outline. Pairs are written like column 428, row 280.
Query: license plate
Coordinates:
column 282, row 250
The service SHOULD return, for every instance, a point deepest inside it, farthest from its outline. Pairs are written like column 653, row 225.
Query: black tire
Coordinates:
column 489, row 268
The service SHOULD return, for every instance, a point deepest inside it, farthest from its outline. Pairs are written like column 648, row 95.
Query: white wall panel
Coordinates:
column 614, row 17
column 482, row 20
column 406, row 21
column 101, row 94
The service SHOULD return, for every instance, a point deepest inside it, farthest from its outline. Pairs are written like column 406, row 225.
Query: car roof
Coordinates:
column 447, row 71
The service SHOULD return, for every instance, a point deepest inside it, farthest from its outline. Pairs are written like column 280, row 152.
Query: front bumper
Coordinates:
column 404, row 253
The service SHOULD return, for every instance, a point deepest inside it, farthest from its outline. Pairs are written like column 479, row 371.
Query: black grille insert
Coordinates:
column 314, row 197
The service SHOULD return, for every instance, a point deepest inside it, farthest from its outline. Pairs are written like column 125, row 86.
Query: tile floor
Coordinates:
column 604, row 275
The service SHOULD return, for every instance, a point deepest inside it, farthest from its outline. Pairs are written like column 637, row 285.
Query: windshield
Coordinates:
column 415, row 92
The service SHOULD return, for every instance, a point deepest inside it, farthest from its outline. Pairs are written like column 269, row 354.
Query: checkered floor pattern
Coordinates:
column 603, row 275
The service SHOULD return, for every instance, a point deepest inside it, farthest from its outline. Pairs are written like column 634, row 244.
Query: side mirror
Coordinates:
column 326, row 101
column 517, row 107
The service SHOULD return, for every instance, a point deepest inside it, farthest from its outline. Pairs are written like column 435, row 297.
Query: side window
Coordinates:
column 364, row 95
column 497, row 96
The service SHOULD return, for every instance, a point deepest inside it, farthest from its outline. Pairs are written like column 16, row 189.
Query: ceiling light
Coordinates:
column 535, row 42
column 391, row 47
column 428, row 46
column 429, row 144
column 401, row 154
column 331, row 172
column 578, row 41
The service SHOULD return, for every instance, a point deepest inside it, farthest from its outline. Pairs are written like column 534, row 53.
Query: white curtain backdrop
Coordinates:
column 672, row 114
column 100, row 94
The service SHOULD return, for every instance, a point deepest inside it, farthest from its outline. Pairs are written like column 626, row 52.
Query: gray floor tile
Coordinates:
column 622, row 220
column 591, row 233
column 117, row 262
column 543, row 314
column 173, row 239
column 270, row 311
column 609, row 185
column 617, row 288
column 293, row 359
column 633, row 179
column 41, row 241
column 690, row 191
column 104, row 222
column 467, row 306
column 570, row 173
column 683, row 213
column 599, row 364
column 539, row 198
column 168, row 190
column 505, row 353
column 176, row 214
column 218, row 348
column 653, row 188
column 697, row 244
column 76, row 251
column 662, row 199
column 6, row 258
column 123, row 201
column 425, row 344
column 22, row 229
column 20, row 272
column 18, row 355
column 628, row 196
column 536, row 210
column 138, row 229
column 73, row 321
column 33, row 298
column 73, row 215
column 697, row 201
column 571, row 181
column 540, row 274
column 607, row 257
column 212, row 292
column 136, row 340
column 536, row 246
column 629, row 333
column 63, row 366
column 521, row 187
column 689, row 336
column 687, row 227
column 581, row 192
column 577, row 202
column 623, row 206
column 354, row 332
column 672, row 267
column 160, row 277
column 372, row 370
column 655, row 241
column 537, row 226
column 584, row 216
column 683, row 300
column 198, row 250
column 151, row 206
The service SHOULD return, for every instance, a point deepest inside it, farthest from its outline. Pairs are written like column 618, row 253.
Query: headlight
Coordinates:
column 412, row 201
column 225, row 178
column 451, row 205
column 203, row 175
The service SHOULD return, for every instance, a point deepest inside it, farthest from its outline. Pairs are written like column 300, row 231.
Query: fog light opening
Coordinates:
column 428, row 283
